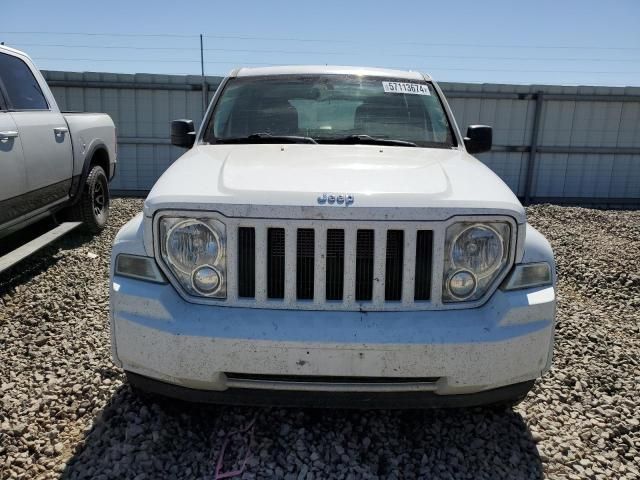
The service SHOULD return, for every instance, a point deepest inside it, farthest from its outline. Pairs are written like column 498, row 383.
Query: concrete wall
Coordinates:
column 551, row 143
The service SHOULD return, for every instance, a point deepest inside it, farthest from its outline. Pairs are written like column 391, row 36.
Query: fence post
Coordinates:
column 205, row 90
column 535, row 133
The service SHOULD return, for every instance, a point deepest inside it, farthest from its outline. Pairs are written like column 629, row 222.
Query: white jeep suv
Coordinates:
column 329, row 240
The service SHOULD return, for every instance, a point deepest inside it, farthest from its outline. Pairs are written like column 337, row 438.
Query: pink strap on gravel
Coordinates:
column 234, row 473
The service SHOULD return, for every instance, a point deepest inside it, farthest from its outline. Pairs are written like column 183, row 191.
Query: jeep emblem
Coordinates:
column 345, row 199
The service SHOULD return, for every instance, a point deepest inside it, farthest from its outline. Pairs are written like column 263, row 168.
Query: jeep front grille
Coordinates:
column 314, row 265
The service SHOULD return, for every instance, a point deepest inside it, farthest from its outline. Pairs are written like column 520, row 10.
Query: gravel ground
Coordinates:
column 65, row 411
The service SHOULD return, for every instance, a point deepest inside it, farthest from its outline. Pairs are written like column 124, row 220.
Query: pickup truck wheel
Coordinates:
column 93, row 207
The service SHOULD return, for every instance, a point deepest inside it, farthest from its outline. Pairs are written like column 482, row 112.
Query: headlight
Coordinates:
column 475, row 255
column 462, row 284
column 478, row 248
column 194, row 250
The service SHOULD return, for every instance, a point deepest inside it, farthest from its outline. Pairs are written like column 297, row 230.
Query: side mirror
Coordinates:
column 183, row 133
column 478, row 139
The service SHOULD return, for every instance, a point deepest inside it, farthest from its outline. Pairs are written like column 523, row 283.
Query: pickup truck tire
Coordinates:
column 92, row 208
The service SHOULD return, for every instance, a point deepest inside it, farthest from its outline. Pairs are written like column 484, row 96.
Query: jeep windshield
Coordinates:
column 330, row 109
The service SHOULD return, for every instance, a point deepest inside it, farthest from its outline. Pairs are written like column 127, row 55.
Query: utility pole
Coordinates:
column 204, row 80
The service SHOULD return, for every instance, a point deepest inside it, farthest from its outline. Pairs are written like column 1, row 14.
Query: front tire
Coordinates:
column 92, row 208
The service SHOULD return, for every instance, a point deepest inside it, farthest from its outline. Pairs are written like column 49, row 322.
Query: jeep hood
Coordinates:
column 294, row 175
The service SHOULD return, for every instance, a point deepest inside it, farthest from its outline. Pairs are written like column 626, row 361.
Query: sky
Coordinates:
column 564, row 42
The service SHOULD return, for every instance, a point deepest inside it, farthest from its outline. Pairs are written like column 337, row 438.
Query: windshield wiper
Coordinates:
column 264, row 137
column 366, row 139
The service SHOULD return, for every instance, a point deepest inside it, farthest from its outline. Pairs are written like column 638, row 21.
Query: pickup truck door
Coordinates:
column 43, row 131
column 13, row 182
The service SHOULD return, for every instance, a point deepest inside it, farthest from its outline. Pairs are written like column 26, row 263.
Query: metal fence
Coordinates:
column 578, row 145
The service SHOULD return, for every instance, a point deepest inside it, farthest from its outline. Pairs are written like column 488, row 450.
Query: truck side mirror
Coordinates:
column 183, row 133
column 478, row 139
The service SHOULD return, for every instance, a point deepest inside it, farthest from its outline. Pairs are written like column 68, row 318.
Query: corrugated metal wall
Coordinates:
column 511, row 119
column 142, row 113
column 588, row 143
column 585, row 149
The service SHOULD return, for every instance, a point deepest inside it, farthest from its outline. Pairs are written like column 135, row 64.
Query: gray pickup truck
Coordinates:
column 51, row 163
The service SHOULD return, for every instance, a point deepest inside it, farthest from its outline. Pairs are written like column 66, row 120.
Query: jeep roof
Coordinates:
column 327, row 70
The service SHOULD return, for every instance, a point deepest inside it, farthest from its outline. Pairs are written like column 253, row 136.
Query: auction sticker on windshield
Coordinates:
column 401, row 87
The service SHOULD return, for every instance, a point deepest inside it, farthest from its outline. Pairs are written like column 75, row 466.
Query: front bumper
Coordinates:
column 158, row 336
column 354, row 399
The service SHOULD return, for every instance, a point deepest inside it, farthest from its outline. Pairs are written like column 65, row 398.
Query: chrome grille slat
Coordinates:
column 437, row 262
column 409, row 267
column 261, row 262
column 232, row 267
column 349, row 265
column 290, row 264
column 379, row 265
column 320, row 265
